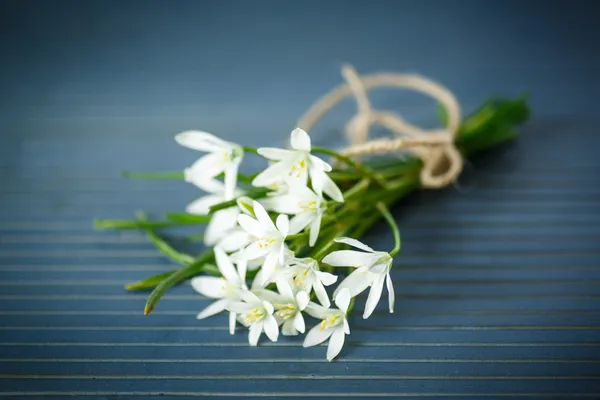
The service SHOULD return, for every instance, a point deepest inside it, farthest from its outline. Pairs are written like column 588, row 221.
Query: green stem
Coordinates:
column 135, row 224
column 256, row 193
column 175, row 278
column 152, row 175
column 362, row 170
column 392, row 223
column 249, row 149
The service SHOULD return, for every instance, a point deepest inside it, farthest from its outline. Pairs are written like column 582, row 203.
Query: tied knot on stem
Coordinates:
column 442, row 161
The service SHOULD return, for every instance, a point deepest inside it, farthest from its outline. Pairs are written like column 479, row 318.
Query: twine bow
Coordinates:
column 442, row 162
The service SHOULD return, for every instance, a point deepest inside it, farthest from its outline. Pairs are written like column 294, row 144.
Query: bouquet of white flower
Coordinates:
column 277, row 240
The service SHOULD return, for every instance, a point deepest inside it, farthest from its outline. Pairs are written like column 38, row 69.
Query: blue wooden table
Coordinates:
column 498, row 282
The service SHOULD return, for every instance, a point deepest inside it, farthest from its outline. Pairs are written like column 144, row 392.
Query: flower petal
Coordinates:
column 315, row 227
column 234, row 240
column 331, row 189
column 391, row 294
column 205, row 168
column 272, row 174
column 201, row 205
column 238, row 307
column 231, row 180
column 232, row 320
column 299, row 322
column 202, row 141
column 284, row 204
column 209, row 286
column 326, row 278
column 226, row 267
column 321, row 293
column 271, row 328
column 211, row 186
column 374, row 296
column 270, row 263
column 250, row 225
column 342, row 300
column 335, row 343
column 317, row 177
column 357, row 282
column 242, row 266
column 268, row 307
column 254, row 333
column 350, row 258
column 275, row 154
column 213, row 308
column 287, row 329
column 318, row 311
column 254, row 251
column 263, row 218
column 284, row 289
column 300, row 221
column 300, row 140
column 219, row 225
column 318, row 163
column 317, row 336
column 302, row 299
column 354, row 243
column 250, row 298
column 283, row 224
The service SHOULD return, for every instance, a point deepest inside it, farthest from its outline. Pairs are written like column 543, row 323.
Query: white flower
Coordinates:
column 304, row 273
column 305, row 205
column 269, row 238
column 334, row 325
column 227, row 289
column 258, row 315
column 223, row 221
column 224, row 157
column 288, row 307
column 294, row 167
column 372, row 269
column 265, row 276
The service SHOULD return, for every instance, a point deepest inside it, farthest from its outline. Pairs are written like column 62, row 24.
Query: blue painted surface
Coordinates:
column 498, row 283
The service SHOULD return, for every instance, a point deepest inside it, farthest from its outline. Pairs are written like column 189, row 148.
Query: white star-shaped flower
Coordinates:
column 227, row 289
column 288, row 307
column 257, row 314
column 224, row 157
column 334, row 325
column 305, row 205
column 269, row 238
column 222, row 222
column 372, row 269
column 295, row 166
column 304, row 273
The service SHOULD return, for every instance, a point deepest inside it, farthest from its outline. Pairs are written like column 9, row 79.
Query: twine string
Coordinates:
column 442, row 162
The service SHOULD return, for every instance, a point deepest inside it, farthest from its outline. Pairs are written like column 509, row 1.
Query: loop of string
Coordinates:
column 442, row 162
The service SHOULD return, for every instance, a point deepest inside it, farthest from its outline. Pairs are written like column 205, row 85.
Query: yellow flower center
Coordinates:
column 300, row 278
column 264, row 243
column 254, row 315
column 299, row 168
column 285, row 311
column 311, row 205
column 329, row 322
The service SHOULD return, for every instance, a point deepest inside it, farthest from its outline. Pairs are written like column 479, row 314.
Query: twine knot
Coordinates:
column 442, row 162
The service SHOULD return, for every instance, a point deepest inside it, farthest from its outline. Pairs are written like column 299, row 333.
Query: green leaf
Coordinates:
column 164, row 247
column 151, row 282
column 175, row 278
column 188, row 218
column 152, row 175
column 135, row 224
